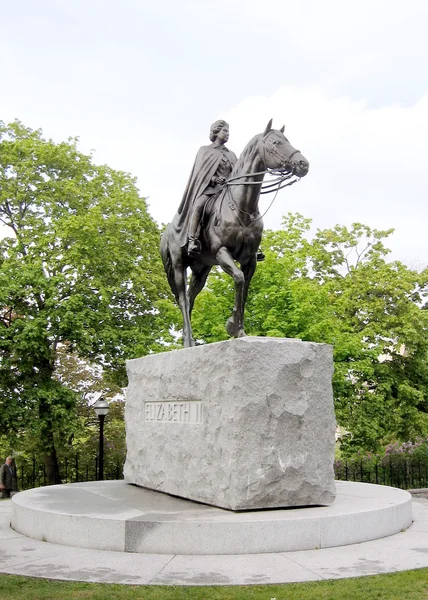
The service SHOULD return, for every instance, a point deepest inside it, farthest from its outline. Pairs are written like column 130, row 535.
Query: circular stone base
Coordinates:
column 114, row 515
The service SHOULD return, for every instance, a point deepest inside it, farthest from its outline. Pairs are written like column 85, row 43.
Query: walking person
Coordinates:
column 7, row 478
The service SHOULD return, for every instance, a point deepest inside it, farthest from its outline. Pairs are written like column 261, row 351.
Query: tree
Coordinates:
column 381, row 375
column 284, row 300
column 81, row 428
column 80, row 270
column 340, row 289
column 89, row 381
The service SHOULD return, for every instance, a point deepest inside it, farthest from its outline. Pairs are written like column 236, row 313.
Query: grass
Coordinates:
column 406, row 585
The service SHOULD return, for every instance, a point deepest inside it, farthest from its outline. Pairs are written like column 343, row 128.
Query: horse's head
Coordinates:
column 280, row 155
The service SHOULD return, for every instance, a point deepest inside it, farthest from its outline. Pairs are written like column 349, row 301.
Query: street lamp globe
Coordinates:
column 101, row 407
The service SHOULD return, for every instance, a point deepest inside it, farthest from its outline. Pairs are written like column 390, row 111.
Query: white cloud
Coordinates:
column 367, row 164
column 142, row 85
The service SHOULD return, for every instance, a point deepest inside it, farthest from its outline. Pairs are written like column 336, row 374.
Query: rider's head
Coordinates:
column 216, row 127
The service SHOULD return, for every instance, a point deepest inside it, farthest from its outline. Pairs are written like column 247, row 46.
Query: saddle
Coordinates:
column 212, row 207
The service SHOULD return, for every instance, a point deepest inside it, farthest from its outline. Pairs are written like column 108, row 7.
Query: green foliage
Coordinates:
column 380, row 356
column 87, row 380
column 402, row 465
column 339, row 289
column 80, row 268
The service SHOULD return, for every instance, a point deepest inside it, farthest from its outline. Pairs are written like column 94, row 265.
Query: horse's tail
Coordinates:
column 167, row 262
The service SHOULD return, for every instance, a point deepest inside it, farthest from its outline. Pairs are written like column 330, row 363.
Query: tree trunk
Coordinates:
column 52, row 467
column 48, row 444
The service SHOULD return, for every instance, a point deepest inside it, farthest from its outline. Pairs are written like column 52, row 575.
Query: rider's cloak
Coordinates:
column 205, row 166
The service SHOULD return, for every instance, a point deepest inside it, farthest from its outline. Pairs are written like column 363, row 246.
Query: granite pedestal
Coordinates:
column 244, row 424
column 112, row 515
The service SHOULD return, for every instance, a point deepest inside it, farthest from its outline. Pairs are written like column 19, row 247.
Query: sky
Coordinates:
column 140, row 82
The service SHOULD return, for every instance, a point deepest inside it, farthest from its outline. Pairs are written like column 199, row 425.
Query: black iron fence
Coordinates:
column 402, row 472
column 406, row 472
column 31, row 473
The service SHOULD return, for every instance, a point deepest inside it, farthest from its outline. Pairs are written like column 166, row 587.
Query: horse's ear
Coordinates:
column 268, row 127
column 282, row 129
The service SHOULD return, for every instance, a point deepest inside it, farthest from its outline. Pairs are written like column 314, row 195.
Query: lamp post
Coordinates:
column 101, row 407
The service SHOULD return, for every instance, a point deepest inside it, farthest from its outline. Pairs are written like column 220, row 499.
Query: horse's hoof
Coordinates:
column 230, row 327
column 233, row 329
column 241, row 334
column 189, row 343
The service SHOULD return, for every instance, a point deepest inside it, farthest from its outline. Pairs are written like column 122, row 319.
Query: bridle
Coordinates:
column 273, row 185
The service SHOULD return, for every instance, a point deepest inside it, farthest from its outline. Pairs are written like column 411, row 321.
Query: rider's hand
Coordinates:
column 221, row 180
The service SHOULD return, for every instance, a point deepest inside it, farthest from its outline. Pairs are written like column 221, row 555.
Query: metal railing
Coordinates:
column 404, row 472
column 401, row 472
column 32, row 473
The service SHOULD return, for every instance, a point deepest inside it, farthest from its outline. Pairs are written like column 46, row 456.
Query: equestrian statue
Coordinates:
column 218, row 221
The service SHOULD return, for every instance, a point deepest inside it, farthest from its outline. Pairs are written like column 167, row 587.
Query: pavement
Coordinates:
column 20, row 555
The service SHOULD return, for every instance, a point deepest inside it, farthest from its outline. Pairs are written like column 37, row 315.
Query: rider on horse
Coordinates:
column 213, row 165
column 233, row 229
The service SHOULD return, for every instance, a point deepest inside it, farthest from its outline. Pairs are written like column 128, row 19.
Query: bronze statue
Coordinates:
column 213, row 165
column 221, row 201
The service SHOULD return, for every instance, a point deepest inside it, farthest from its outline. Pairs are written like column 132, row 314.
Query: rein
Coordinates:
column 265, row 188
column 252, row 216
column 280, row 178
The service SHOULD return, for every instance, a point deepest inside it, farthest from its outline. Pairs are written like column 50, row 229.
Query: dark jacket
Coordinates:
column 7, row 477
column 205, row 167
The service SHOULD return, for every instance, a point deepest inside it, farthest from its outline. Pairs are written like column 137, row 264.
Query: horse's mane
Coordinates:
column 249, row 148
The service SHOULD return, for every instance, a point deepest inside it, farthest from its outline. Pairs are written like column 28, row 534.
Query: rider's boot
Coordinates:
column 194, row 246
column 260, row 256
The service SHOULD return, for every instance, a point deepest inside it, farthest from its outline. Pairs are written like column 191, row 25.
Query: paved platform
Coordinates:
column 114, row 515
column 20, row 555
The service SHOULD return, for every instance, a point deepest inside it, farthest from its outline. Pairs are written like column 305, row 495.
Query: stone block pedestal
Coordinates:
column 243, row 424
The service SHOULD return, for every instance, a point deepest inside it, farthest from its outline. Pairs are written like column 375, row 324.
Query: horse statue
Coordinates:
column 232, row 227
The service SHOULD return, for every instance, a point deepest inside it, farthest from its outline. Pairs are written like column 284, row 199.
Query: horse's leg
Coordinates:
column 234, row 325
column 196, row 285
column 248, row 269
column 183, row 303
